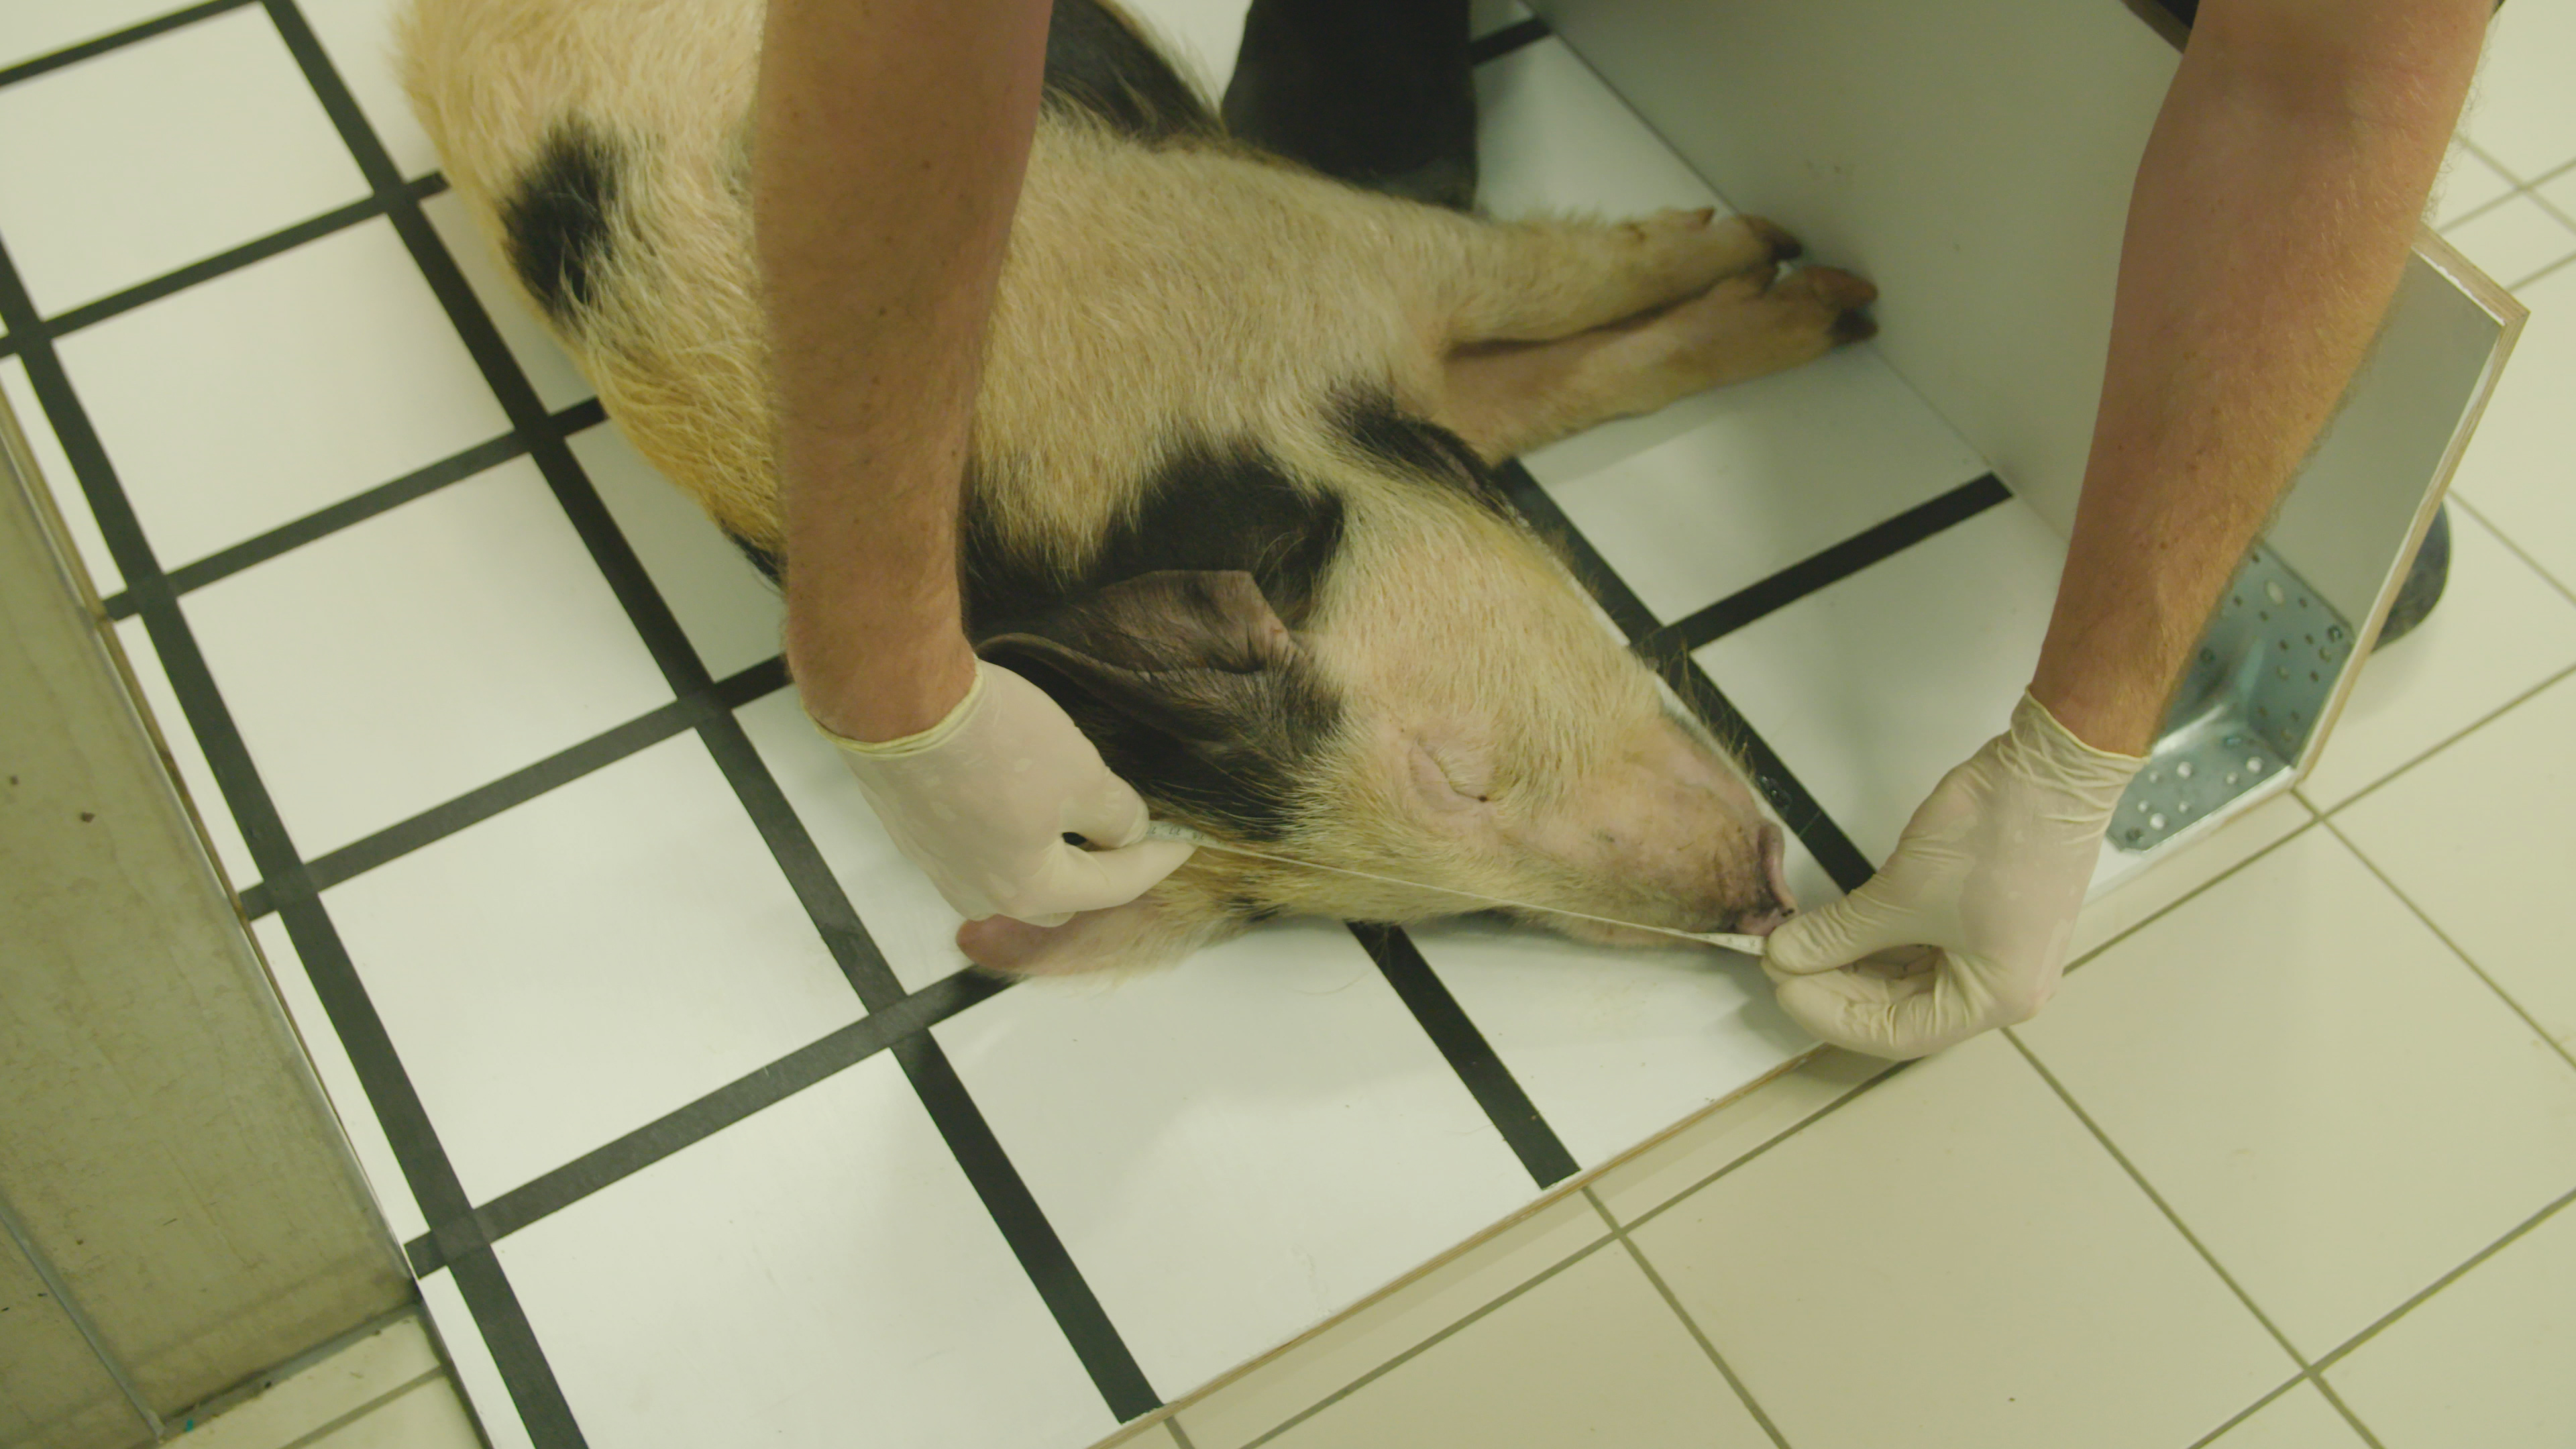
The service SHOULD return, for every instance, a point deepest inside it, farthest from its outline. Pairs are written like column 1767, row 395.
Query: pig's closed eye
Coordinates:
column 1450, row 779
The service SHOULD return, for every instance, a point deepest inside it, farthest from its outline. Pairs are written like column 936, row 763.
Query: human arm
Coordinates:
column 2271, row 219
column 890, row 139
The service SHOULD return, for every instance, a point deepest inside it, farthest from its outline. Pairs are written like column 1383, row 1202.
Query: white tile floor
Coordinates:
column 2284, row 1166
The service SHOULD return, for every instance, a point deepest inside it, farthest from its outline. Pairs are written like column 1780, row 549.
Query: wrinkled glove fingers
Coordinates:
column 1861, row 924
column 1108, row 813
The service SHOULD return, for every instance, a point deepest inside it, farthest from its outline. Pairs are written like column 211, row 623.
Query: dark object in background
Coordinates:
column 1379, row 93
column 2424, row 581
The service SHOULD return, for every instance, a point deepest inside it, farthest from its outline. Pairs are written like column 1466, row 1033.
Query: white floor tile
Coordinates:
column 2559, row 192
column 2500, row 632
column 162, row 153
column 2299, row 1419
column 914, row 928
column 430, row 1416
column 59, row 480
column 1591, row 1356
column 340, row 1084
column 2476, row 837
column 2520, row 472
column 1202, row 35
column 1953, row 1259
column 1552, row 137
column 196, row 777
column 2190, row 867
column 2522, row 113
column 403, row 661
column 2333, row 1103
column 578, row 966
column 550, row 370
column 1872, row 689
column 30, row 28
column 731, row 614
column 246, row 402
column 358, row 36
column 1719, row 491
column 1277, row 1141
column 2482, row 1362
column 1377, row 1333
column 2514, row 239
column 819, row 1273
column 394, row 1357
column 2469, row 181
column 1613, row 1044
column 478, row 1378
column 1710, row 1144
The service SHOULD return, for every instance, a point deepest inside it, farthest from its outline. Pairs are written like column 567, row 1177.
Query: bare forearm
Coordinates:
column 891, row 138
column 2271, row 221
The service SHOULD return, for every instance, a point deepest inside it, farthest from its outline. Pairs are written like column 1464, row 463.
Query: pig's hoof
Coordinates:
column 1779, row 244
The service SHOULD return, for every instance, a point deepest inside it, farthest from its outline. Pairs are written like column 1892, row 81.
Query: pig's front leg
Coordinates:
column 1507, row 399
column 1540, row 280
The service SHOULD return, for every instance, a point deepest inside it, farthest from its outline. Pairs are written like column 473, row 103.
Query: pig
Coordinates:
column 1230, row 496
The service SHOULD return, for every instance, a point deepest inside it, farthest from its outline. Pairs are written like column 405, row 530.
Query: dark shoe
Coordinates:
column 1379, row 93
column 2424, row 581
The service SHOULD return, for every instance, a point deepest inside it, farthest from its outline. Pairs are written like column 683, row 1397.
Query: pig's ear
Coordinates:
column 1192, row 687
column 1175, row 651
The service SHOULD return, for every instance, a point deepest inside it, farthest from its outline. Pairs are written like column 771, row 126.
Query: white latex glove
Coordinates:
column 1983, row 889
column 982, row 801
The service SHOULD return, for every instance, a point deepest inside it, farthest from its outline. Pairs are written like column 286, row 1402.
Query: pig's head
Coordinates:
column 1426, row 695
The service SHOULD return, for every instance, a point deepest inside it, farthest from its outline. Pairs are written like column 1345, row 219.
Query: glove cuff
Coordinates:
column 915, row 744
column 2048, row 750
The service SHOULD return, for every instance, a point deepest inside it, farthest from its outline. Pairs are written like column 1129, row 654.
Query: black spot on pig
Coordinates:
column 1416, row 447
column 1098, row 65
column 557, row 222
column 1174, row 647
column 761, row 558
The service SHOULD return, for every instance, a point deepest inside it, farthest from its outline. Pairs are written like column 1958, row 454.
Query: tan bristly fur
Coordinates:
column 1191, row 290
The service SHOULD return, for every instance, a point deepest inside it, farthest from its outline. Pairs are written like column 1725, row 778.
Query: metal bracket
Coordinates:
column 2247, row 705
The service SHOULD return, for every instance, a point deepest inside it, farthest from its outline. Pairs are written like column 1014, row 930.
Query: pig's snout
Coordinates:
column 1767, row 917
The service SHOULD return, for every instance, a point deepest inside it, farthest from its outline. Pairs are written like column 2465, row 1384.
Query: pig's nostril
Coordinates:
column 1774, row 870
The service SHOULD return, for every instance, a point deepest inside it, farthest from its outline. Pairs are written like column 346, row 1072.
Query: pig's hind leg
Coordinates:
column 1505, row 399
column 1543, row 279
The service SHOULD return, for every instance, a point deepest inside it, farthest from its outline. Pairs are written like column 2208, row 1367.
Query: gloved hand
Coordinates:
column 1988, row 876
column 982, row 801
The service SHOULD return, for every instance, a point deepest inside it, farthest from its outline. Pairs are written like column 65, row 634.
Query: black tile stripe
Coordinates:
column 1494, row 45
column 116, row 40
column 396, row 1105
column 1797, row 808
column 1491, row 1083
column 358, row 508
column 1831, row 566
column 90, row 314
column 512, row 1342
column 1077, row 1311
column 615, row 1161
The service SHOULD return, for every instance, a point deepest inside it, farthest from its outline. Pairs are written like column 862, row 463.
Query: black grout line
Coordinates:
column 1495, row 44
column 2345, row 1348
column 1829, row 567
column 1014, row 1209
column 1797, row 809
column 2445, row 742
column 115, row 40
column 512, row 1342
column 1447, row 1332
column 90, row 314
column 1451, row 1030
column 2388, row 882
column 2248, row 1412
column 2307, row 1369
column 1672, row 1300
column 1892, row 1071
column 686, row 1126
column 1539, row 509
column 522, row 785
column 357, row 508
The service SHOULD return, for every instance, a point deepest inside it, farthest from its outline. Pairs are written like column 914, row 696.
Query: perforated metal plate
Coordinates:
column 2246, row 707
